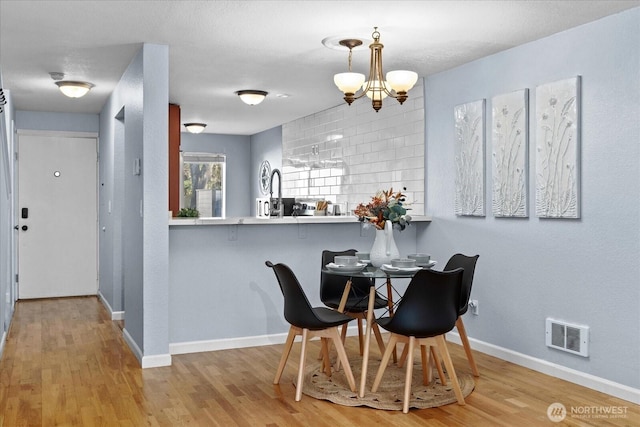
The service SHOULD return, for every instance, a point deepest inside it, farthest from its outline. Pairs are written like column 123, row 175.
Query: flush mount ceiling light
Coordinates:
column 252, row 97
column 195, row 127
column 74, row 89
column 396, row 85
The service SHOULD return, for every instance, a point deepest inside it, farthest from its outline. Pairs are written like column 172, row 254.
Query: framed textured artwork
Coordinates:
column 509, row 143
column 558, row 149
column 469, row 158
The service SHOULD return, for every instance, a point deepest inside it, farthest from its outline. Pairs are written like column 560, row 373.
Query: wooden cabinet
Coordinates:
column 174, row 158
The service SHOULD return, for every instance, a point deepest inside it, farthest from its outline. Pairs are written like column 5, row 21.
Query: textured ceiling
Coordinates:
column 219, row 47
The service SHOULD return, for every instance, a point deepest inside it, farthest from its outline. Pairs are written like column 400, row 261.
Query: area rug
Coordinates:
column 390, row 393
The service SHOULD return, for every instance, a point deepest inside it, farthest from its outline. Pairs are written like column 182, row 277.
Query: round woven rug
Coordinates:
column 390, row 393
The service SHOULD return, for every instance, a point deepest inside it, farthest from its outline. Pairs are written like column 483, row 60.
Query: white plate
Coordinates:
column 427, row 265
column 389, row 267
column 346, row 268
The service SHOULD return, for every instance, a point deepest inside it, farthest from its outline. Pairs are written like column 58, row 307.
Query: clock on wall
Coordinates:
column 264, row 175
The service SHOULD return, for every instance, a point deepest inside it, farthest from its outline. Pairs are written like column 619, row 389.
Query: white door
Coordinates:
column 57, row 216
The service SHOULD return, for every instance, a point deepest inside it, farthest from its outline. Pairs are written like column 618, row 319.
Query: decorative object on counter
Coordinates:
column 188, row 213
column 195, row 127
column 396, row 85
column 557, row 149
column 469, row 158
column 510, row 147
column 384, row 247
column 384, row 206
column 385, row 211
column 321, row 208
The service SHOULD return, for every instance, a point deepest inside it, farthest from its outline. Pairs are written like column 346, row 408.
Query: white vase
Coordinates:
column 384, row 247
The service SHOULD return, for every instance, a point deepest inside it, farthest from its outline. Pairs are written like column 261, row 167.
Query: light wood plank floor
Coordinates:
column 65, row 363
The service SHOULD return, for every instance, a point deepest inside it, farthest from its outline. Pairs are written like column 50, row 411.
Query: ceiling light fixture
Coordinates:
column 74, row 89
column 195, row 127
column 252, row 97
column 396, row 85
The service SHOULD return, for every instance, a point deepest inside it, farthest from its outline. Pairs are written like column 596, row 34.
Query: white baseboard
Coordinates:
column 156, row 361
column 226, row 344
column 115, row 315
column 132, row 345
column 558, row 371
column 2, row 342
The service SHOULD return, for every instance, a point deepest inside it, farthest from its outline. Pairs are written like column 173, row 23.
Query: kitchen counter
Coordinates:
column 250, row 220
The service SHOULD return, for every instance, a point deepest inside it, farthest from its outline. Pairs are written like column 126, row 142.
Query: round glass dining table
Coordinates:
column 385, row 273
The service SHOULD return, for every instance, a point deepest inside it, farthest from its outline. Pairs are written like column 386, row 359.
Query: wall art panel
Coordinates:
column 469, row 158
column 509, row 154
column 557, row 149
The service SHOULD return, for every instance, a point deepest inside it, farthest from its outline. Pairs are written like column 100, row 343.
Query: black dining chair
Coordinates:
column 308, row 322
column 331, row 290
column 427, row 311
column 468, row 263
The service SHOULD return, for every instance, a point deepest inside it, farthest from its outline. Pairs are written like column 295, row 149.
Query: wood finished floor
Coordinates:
column 66, row 363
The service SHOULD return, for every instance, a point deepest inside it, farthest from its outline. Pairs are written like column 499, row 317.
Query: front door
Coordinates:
column 57, row 216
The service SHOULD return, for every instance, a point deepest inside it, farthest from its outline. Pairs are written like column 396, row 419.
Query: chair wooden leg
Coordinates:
column 467, row 347
column 376, row 332
column 385, row 361
column 403, row 356
column 285, row 354
column 326, row 362
column 407, row 378
column 426, row 366
column 303, row 351
column 342, row 355
column 444, row 351
column 360, row 336
column 436, row 361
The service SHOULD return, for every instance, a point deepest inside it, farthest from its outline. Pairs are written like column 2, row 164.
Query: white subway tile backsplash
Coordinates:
column 360, row 152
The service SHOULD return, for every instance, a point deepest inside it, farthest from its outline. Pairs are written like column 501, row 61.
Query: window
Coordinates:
column 203, row 183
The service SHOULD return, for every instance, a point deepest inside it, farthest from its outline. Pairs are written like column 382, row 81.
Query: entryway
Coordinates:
column 57, row 216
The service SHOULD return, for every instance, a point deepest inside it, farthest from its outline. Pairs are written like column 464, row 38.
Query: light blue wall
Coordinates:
column 63, row 122
column 266, row 145
column 7, row 233
column 134, row 124
column 221, row 289
column 584, row 271
column 237, row 149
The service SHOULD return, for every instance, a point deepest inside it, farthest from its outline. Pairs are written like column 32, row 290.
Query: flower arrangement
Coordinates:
column 385, row 205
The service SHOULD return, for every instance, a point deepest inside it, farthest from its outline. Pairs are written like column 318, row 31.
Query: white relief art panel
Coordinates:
column 557, row 149
column 509, row 154
column 469, row 158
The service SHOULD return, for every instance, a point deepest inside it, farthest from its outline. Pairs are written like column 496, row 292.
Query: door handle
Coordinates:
column 25, row 228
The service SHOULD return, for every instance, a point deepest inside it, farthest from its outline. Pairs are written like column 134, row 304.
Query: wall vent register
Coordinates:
column 567, row 337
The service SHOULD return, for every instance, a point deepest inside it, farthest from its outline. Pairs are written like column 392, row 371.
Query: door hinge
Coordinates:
column 16, row 277
column 16, row 154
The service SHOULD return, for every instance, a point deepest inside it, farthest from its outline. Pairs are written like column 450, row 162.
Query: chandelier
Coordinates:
column 396, row 85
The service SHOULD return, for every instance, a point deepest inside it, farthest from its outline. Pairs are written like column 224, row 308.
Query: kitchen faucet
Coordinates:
column 279, row 208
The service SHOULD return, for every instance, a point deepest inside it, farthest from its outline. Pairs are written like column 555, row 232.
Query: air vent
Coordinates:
column 567, row 337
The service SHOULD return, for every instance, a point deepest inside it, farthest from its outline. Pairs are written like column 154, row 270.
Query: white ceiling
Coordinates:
column 219, row 47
